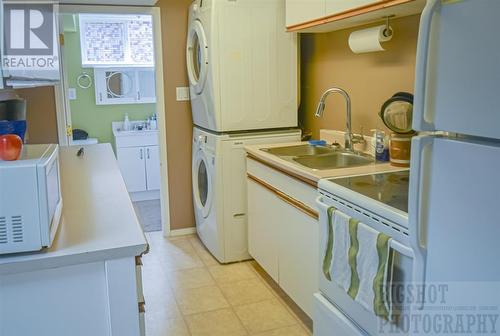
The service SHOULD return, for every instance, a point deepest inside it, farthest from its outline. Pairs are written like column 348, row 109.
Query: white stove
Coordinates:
column 381, row 202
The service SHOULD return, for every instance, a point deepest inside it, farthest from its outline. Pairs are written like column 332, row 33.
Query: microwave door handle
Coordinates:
column 419, row 121
column 420, row 145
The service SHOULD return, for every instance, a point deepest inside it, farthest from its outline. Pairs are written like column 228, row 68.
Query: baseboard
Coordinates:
column 145, row 195
column 182, row 232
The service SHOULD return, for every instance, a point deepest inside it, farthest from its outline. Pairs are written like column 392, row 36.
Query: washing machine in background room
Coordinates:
column 219, row 188
column 242, row 65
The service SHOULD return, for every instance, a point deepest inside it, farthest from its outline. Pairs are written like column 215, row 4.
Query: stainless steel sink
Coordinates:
column 334, row 160
column 300, row 150
column 320, row 157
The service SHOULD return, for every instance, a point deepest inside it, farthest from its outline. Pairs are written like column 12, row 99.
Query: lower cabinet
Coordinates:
column 140, row 167
column 97, row 298
column 283, row 232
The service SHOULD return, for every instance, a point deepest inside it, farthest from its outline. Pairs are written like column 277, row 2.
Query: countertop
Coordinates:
column 313, row 175
column 98, row 220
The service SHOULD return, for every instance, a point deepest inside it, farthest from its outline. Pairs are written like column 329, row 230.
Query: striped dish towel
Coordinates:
column 359, row 259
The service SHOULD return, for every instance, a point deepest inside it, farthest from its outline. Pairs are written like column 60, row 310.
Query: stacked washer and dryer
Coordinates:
column 242, row 68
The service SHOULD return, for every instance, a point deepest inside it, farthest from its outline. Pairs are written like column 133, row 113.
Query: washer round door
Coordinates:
column 202, row 183
column 197, row 56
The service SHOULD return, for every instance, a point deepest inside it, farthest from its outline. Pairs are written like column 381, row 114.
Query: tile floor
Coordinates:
column 188, row 293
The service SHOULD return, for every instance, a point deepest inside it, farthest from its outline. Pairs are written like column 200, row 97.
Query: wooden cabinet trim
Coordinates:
column 305, row 180
column 347, row 14
column 284, row 197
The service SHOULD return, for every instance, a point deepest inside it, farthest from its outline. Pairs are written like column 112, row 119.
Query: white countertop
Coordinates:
column 314, row 175
column 98, row 220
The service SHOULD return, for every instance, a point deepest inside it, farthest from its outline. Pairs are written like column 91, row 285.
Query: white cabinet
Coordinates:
column 298, row 256
column 333, row 7
column 152, row 167
column 283, row 231
column 300, row 11
column 133, row 167
column 98, row 298
column 124, row 86
column 140, row 167
column 138, row 155
column 319, row 16
column 263, row 231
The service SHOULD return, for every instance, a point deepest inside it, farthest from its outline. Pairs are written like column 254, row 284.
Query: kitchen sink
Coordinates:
column 334, row 160
column 300, row 150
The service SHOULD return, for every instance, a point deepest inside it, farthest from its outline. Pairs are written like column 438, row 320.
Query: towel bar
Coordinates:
column 403, row 249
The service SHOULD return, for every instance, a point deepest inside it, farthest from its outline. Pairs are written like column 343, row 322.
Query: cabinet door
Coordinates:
column 146, row 85
column 298, row 255
column 132, row 166
column 263, row 232
column 300, row 11
column 153, row 167
column 337, row 6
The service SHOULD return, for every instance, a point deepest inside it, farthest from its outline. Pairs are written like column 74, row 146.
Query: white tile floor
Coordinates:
column 188, row 293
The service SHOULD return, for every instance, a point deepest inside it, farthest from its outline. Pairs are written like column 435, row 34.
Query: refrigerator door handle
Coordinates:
column 415, row 220
column 419, row 121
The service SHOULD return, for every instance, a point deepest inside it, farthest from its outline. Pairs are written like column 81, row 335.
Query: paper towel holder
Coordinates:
column 388, row 31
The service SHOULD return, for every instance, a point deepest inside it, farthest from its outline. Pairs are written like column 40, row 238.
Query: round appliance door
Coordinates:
column 202, row 183
column 197, row 56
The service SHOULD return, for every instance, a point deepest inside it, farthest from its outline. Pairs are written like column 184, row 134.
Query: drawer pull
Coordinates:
column 285, row 198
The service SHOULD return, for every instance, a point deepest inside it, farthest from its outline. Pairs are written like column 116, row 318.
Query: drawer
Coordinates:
column 138, row 140
column 329, row 321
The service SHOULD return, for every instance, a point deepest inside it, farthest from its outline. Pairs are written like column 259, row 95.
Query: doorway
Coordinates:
column 111, row 89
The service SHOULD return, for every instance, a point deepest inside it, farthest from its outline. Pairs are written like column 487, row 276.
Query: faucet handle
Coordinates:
column 359, row 138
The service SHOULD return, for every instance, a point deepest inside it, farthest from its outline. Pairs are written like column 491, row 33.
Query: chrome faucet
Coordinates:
column 350, row 138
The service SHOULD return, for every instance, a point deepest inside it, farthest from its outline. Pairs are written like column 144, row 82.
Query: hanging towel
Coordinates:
column 359, row 259
column 372, row 270
column 336, row 264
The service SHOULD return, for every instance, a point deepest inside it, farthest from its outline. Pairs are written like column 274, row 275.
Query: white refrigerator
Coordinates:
column 454, row 195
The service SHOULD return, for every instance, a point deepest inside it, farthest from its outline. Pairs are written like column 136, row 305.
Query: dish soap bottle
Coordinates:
column 126, row 123
column 380, row 145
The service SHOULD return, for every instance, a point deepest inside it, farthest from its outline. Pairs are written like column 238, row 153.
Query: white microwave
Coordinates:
column 30, row 199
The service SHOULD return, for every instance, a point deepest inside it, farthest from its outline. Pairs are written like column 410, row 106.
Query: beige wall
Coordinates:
column 41, row 115
column 174, row 14
column 370, row 79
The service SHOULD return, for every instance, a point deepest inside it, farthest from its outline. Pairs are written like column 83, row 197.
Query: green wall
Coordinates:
column 85, row 114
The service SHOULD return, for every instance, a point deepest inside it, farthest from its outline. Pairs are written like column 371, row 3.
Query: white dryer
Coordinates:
column 219, row 188
column 242, row 65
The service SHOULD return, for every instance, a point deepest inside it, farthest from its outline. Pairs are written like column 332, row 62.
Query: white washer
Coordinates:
column 219, row 188
column 242, row 65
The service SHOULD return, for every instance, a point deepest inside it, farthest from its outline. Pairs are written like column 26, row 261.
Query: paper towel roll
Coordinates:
column 368, row 40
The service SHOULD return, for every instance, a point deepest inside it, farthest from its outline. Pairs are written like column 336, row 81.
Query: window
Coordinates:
column 116, row 40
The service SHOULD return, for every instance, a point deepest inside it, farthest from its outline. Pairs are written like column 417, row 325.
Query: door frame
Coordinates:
column 62, row 103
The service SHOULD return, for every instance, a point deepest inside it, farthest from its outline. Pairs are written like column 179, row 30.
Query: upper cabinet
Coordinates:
column 300, row 11
column 333, row 7
column 318, row 16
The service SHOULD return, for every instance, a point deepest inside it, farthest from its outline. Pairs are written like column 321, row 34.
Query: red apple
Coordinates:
column 10, row 147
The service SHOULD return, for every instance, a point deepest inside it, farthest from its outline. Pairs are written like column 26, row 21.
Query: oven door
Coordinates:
column 367, row 322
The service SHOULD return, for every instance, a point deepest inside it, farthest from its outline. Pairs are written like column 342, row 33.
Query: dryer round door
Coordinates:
column 197, row 56
column 202, row 183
